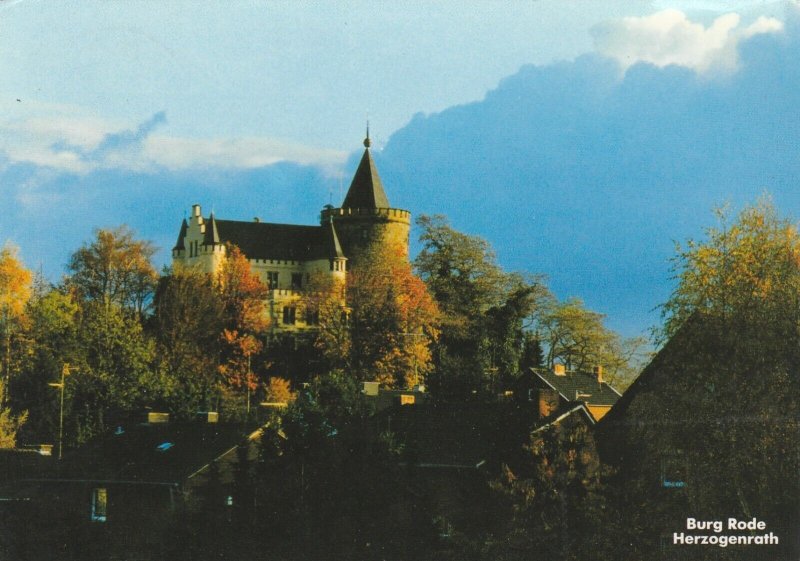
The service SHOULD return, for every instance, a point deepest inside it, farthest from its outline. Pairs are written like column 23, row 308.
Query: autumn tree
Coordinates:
column 717, row 408
column 383, row 327
column 244, row 321
column 15, row 289
column 115, row 268
column 747, row 270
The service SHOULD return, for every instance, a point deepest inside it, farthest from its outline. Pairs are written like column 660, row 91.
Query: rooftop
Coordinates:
column 579, row 386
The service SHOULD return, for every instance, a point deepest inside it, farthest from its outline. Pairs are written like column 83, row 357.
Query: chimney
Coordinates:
column 157, row 418
column 195, row 210
column 598, row 372
column 559, row 370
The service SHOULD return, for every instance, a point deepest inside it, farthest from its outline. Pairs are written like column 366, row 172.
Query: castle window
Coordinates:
column 289, row 315
column 297, row 281
column 272, row 280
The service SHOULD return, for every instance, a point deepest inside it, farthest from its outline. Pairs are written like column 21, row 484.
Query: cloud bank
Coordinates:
column 70, row 141
column 668, row 38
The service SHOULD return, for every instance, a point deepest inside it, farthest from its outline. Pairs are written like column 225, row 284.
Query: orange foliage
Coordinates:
column 244, row 316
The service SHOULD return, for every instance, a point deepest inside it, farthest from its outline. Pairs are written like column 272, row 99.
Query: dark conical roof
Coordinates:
column 181, row 236
column 366, row 190
column 211, row 236
column 332, row 240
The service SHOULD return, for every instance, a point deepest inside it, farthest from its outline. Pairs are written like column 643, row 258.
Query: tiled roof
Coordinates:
column 166, row 453
column 579, row 386
column 262, row 240
column 366, row 190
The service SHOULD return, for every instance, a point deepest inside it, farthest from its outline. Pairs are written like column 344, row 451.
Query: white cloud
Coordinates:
column 63, row 139
column 669, row 37
column 249, row 152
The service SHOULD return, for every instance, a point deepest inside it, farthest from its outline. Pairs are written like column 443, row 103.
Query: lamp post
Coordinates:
column 65, row 371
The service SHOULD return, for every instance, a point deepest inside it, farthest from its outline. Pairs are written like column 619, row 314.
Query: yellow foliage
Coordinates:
column 15, row 283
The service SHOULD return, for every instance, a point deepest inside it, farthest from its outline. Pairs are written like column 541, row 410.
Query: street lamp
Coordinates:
column 65, row 371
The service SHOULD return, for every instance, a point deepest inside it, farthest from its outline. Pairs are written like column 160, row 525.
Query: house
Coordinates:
column 557, row 387
column 710, row 425
column 139, row 476
column 288, row 257
column 384, row 398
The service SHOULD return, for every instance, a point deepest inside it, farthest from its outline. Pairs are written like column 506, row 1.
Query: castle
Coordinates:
column 286, row 256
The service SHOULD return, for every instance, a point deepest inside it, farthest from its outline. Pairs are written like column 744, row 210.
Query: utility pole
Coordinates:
column 65, row 371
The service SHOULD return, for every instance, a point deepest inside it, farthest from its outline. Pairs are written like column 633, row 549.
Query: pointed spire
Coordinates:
column 334, row 247
column 366, row 190
column 211, row 236
column 181, row 236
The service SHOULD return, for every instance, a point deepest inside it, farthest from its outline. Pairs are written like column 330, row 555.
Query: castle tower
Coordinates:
column 366, row 217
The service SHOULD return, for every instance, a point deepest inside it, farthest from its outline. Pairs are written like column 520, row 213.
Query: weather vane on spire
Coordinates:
column 367, row 142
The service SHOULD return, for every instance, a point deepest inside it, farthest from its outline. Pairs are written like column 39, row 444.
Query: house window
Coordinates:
column 312, row 316
column 673, row 470
column 99, row 504
column 289, row 315
column 297, row 281
column 272, row 280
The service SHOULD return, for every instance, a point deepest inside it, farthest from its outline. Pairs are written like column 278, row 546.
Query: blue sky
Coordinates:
column 115, row 112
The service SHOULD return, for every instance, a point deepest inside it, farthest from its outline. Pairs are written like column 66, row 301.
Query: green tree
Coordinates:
column 187, row 322
column 555, row 486
column 484, row 310
column 117, row 374
column 51, row 339
column 578, row 338
column 340, row 481
column 532, row 351
column 9, row 423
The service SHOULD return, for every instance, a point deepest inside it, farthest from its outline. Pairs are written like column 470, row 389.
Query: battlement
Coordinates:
column 390, row 214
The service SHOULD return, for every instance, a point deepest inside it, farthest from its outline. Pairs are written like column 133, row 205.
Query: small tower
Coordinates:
column 366, row 218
